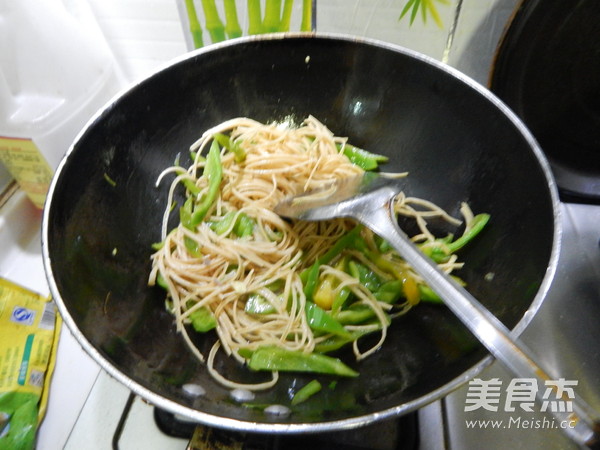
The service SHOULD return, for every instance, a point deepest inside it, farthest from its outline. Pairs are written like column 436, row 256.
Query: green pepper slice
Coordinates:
column 307, row 391
column 277, row 359
column 319, row 320
column 203, row 320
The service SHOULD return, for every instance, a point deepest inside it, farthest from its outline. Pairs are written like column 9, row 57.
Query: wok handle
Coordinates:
column 582, row 424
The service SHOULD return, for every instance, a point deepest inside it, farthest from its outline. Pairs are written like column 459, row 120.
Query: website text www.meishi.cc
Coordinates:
column 520, row 423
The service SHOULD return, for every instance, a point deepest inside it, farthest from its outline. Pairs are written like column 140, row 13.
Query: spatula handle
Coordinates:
column 583, row 423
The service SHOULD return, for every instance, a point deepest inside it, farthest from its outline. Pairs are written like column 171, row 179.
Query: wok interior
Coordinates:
column 455, row 143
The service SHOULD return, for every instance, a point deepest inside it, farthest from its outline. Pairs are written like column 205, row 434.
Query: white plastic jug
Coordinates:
column 56, row 70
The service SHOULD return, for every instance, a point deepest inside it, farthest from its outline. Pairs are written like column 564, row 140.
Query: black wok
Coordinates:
column 457, row 141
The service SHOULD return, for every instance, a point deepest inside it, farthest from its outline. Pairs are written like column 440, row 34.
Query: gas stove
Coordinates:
column 89, row 409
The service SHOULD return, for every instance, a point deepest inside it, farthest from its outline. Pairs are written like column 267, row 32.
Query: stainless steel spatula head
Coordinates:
column 348, row 197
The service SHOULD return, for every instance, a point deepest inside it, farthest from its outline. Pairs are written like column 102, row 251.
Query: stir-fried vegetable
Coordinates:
column 362, row 158
column 203, row 320
column 277, row 359
column 318, row 298
column 329, row 308
column 213, row 172
column 322, row 322
column 307, row 391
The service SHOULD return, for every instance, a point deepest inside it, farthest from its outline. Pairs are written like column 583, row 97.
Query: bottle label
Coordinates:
column 28, row 166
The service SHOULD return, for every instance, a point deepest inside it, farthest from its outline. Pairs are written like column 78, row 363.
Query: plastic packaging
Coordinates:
column 29, row 327
column 56, row 70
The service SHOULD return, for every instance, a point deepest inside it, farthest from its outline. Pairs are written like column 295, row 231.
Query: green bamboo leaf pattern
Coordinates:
column 276, row 18
column 426, row 8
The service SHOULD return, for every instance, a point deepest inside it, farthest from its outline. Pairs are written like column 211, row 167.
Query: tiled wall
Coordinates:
column 145, row 33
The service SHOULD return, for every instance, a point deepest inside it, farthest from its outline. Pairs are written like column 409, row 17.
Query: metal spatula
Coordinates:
column 368, row 199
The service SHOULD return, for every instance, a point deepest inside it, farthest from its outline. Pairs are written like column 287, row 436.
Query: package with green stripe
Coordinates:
column 29, row 328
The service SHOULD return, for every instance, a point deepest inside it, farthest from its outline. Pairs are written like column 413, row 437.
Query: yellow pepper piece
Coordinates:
column 411, row 290
column 409, row 285
column 325, row 294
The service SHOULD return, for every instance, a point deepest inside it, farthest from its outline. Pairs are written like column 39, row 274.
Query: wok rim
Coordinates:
column 306, row 427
